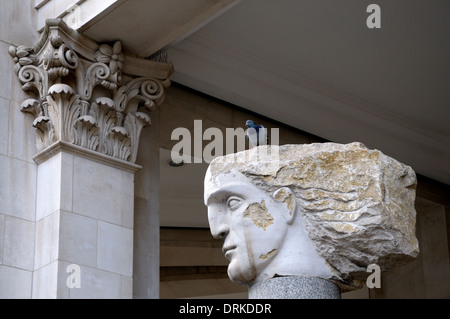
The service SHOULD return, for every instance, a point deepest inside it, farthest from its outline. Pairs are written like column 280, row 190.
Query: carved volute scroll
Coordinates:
column 84, row 94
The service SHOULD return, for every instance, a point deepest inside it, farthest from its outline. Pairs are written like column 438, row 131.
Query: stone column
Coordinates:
column 90, row 103
column 84, row 225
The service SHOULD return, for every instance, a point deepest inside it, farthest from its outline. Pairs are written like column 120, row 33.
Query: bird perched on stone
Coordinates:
column 257, row 134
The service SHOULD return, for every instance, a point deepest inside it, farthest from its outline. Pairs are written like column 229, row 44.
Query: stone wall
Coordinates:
column 18, row 172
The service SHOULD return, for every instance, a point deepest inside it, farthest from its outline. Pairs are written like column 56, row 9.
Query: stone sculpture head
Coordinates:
column 321, row 210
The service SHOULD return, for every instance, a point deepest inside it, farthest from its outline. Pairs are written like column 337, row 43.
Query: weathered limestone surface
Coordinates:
column 355, row 204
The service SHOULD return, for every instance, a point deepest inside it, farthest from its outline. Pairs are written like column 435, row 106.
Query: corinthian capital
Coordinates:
column 88, row 94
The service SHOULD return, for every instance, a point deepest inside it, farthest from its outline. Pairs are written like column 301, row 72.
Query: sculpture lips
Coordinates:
column 227, row 251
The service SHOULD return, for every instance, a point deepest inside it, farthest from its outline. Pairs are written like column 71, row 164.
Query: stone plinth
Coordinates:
column 294, row 287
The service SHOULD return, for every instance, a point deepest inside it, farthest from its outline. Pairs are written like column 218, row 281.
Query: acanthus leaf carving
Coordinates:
column 42, row 122
column 103, row 110
column 86, row 132
column 64, row 108
column 80, row 95
column 134, row 123
column 44, row 132
column 118, row 143
column 33, row 107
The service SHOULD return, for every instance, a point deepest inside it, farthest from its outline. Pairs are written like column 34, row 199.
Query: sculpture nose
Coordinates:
column 220, row 232
column 218, row 224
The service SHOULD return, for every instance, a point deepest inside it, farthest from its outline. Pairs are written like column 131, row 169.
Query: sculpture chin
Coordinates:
column 240, row 276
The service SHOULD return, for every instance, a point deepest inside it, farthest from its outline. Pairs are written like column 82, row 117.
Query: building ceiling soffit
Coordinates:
column 256, row 69
column 146, row 27
column 228, row 73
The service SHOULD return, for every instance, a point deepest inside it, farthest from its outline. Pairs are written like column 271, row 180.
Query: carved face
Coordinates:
column 252, row 223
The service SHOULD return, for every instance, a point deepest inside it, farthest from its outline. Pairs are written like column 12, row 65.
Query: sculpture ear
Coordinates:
column 285, row 195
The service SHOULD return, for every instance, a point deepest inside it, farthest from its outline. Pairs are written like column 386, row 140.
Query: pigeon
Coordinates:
column 257, row 134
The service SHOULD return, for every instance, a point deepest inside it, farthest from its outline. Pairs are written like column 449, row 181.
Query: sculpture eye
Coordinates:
column 234, row 202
